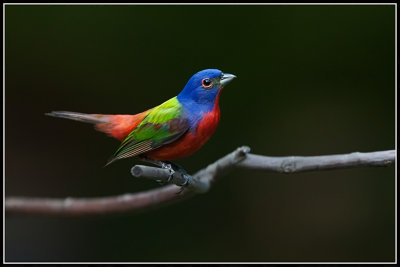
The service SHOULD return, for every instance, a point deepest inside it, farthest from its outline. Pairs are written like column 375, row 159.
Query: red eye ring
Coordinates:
column 206, row 83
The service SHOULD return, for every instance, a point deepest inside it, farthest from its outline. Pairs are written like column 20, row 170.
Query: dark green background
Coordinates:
column 311, row 80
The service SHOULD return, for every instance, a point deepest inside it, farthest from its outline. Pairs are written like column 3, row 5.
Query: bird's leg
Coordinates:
column 176, row 167
column 172, row 167
column 184, row 174
column 161, row 164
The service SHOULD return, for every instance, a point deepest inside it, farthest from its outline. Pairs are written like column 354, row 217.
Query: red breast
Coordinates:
column 191, row 141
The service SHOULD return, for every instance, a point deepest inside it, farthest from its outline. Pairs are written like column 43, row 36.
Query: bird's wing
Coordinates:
column 163, row 125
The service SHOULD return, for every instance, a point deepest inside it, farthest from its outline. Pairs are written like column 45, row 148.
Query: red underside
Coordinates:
column 188, row 143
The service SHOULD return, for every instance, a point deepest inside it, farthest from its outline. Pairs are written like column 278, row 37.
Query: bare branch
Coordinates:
column 200, row 182
column 287, row 165
column 316, row 163
column 126, row 202
column 90, row 206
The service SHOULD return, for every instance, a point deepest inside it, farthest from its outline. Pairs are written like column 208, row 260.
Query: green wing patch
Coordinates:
column 163, row 125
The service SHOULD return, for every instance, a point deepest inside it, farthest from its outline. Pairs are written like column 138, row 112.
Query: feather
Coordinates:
column 82, row 117
column 163, row 125
column 117, row 126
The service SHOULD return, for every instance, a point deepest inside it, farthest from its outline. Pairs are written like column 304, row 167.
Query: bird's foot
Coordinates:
column 161, row 164
column 188, row 180
column 168, row 166
column 184, row 174
column 173, row 168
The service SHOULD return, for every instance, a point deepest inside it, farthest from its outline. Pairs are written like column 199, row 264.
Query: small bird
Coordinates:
column 175, row 129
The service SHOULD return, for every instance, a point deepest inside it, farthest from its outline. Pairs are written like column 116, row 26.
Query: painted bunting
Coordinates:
column 175, row 129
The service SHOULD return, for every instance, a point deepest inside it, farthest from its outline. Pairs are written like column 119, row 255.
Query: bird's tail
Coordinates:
column 117, row 126
column 82, row 117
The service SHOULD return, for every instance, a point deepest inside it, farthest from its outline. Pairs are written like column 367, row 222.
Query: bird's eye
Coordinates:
column 207, row 83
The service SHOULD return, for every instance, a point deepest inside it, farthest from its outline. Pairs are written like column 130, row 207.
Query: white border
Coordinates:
column 233, row 4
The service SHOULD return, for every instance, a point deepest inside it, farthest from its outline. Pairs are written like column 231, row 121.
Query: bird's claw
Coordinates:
column 172, row 168
column 171, row 171
column 188, row 179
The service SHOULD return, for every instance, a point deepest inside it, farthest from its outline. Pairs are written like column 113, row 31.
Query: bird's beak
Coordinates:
column 226, row 78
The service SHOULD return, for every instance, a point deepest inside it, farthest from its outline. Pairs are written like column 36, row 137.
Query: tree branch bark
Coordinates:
column 200, row 182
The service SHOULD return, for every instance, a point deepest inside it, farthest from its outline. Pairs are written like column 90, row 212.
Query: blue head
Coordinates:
column 204, row 87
